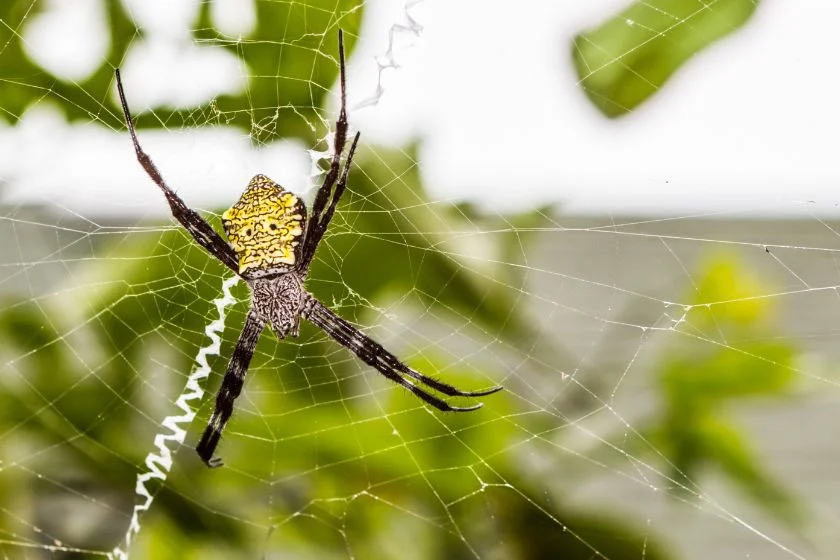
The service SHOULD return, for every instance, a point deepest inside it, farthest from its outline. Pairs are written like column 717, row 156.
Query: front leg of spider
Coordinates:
column 201, row 231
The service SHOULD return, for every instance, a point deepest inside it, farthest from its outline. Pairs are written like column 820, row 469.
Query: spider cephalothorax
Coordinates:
column 272, row 242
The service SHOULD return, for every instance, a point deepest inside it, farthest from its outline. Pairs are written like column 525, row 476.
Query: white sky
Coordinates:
column 749, row 125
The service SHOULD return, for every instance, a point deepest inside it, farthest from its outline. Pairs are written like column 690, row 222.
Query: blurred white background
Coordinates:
column 747, row 127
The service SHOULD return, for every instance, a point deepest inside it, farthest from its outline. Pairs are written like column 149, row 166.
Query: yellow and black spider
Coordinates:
column 272, row 243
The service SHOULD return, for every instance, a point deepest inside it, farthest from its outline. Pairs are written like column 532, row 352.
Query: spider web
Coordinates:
column 667, row 343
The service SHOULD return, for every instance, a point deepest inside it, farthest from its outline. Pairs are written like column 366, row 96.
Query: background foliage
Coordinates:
column 149, row 295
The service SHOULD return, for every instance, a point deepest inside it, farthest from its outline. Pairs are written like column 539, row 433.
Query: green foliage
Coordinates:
column 585, row 536
column 627, row 59
column 291, row 56
column 732, row 350
column 325, row 458
column 312, row 460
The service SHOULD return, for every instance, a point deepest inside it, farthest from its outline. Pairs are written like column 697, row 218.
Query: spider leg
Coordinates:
column 321, row 212
column 339, row 139
column 201, row 231
column 230, row 389
column 324, row 221
column 374, row 354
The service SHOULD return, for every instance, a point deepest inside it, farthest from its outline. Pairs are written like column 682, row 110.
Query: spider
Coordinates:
column 272, row 243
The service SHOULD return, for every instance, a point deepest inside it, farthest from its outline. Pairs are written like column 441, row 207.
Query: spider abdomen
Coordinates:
column 265, row 228
column 277, row 300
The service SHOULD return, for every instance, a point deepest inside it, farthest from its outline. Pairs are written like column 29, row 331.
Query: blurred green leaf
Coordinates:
column 23, row 82
column 291, row 56
column 627, row 59
column 530, row 527
column 736, row 458
column 732, row 351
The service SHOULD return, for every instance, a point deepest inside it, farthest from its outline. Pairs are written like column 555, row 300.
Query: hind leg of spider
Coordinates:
column 375, row 355
column 230, row 389
column 444, row 388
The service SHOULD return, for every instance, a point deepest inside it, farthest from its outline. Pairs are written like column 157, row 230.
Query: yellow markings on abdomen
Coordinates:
column 265, row 226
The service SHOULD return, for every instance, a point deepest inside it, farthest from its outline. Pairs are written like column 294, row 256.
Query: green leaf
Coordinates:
column 291, row 57
column 626, row 60
column 732, row 452
column 532, row 527
column 732, row 351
